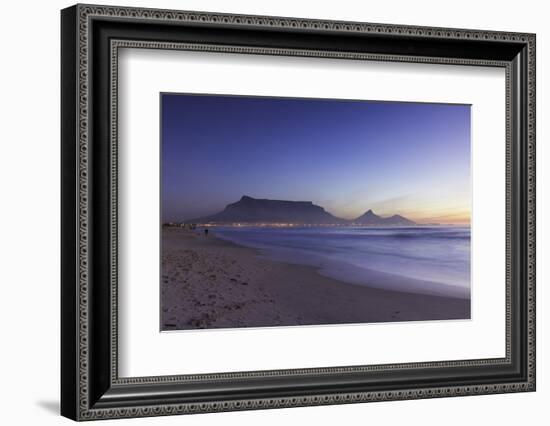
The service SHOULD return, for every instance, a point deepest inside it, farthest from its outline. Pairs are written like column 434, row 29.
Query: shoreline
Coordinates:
column 351, row 274
column 210, row 282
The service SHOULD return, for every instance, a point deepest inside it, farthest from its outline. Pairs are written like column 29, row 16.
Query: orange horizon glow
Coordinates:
column 419, row 211
column 411, row 159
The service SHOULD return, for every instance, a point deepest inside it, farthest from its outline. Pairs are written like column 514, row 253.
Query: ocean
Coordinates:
column 426, row 260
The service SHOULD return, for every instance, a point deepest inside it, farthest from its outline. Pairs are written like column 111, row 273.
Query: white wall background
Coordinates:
column 29, row 213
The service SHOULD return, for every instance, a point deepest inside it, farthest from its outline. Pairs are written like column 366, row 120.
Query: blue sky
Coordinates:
column 347, row 156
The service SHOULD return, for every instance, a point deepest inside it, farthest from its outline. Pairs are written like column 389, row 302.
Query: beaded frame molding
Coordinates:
column 91, row 39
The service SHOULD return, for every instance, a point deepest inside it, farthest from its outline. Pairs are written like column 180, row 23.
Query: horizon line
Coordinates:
column 418, row 221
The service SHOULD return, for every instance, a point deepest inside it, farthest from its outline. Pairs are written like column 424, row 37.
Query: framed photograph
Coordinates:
column 263, row 212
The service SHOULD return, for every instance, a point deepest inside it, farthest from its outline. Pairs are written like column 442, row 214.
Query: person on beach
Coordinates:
column 206, row 232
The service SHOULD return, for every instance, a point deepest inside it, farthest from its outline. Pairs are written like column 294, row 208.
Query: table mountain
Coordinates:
column 253, row 210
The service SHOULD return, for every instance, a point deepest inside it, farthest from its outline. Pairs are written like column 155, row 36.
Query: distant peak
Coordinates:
column 246, row 198
column 369, row 212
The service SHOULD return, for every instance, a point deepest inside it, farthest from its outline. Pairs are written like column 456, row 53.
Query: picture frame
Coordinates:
column 91, row 37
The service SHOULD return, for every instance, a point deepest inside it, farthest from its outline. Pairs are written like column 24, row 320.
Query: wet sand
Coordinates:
column 208, row 282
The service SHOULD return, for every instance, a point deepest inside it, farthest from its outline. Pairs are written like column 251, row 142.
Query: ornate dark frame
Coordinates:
column 91, row 37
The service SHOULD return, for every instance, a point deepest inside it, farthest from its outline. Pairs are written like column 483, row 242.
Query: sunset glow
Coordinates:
column 411, row 159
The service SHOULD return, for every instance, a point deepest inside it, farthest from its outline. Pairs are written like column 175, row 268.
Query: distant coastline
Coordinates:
column 249, row 211
column 290, row 211
column 304, row 225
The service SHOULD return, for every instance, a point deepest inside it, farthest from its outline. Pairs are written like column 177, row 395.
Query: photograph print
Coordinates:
column 299, row 211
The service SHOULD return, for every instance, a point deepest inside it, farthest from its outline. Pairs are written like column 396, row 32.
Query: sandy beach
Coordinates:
column 208, row 282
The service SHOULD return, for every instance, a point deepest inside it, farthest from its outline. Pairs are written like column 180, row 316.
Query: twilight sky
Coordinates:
column 411, row 159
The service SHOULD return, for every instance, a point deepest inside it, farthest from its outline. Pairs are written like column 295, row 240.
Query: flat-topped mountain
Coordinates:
column 253, row 210
column 372, row 219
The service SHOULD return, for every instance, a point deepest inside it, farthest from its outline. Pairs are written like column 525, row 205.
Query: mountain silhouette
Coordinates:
column 372, row 219
column 398, row 220
column 255, row 211
column 369, row 218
